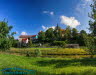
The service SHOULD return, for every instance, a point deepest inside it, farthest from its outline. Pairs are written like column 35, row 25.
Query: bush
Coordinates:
column 90, row 43
column 46, row 45
column 37, row 52
column 34, row 45
column 15, row 43
column 60, row 43
column 30, row 43
column 28, row 54
column 5, row 44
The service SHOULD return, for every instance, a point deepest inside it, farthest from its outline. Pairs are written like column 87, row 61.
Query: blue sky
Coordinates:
column 31, row 16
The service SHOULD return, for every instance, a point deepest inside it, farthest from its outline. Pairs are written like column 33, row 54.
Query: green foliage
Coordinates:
column 90, row 44
column 4, row 29
column 60, row 43
column 71, row 36
column 67, row 35
column 50, row 35
column 30, row 43
column 5, row 44
column 75, row 35
column 92, row 23
column 37, row 52
column 83, row 32
column 5, row 41
column 41, row 36
column 57, row 33
column 13, row 41
column 28, row 54
column 82, row 38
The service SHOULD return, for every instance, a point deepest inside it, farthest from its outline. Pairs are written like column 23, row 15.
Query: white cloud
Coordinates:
column 45, row 12
column 48, row 12
column 87, row 0
column 45, row 28
column 23, row 33
column 53, row 27
column 69, row 21
column 51, row 13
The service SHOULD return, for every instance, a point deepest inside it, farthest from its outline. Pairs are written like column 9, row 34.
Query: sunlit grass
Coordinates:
column 51, row 50
column 64, row 66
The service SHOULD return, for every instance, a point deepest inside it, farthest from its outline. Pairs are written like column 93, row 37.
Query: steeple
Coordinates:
column 57, row 26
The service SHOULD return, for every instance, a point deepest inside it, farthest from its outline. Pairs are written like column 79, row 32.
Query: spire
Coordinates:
column 57, row 25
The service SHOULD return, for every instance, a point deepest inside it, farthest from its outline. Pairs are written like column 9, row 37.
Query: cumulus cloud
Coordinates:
column 69, row 21
column 48, row 12
column 45, row 28
column 53, row 27
column 23, row 33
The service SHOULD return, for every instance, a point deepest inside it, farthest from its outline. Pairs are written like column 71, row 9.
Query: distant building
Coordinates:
column 26, row 38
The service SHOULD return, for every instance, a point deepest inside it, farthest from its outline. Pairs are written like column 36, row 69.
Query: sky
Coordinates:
column 28, row 17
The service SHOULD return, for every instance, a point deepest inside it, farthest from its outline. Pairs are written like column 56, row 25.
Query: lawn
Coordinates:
column 50, row 66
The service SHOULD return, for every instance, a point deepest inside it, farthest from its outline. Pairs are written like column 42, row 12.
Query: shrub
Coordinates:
column 5, row 44
column 30, row 43
column 34, row 45
column 91, row 45
column 28, row 54
column 60, row 43
column 37, row 52
column 46, row 45
column 15, row 43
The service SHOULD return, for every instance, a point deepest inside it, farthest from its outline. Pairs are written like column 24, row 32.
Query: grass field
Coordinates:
column 52, row 52
column 50, row 66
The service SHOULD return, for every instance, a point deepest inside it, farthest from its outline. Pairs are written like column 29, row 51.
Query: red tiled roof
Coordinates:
column 26, row 36
column 62, row 29
column 24, row 39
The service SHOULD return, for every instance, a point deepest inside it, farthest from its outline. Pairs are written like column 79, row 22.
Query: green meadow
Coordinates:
column 50, row 66
column 73, row 65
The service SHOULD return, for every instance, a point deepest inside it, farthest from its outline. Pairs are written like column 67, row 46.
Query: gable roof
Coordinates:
column 27, row 36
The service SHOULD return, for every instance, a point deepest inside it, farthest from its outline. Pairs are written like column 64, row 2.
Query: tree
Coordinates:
column 30, row 42
column 83, row 32
column 92, row 15
column 57, row 33
column 49, row 35
column 41, row 37
column 81, row 37
column 5, row 42
column 74, row 35
column 67, row 36
column 13, row 41
column 90, row 41
column 90, row 44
